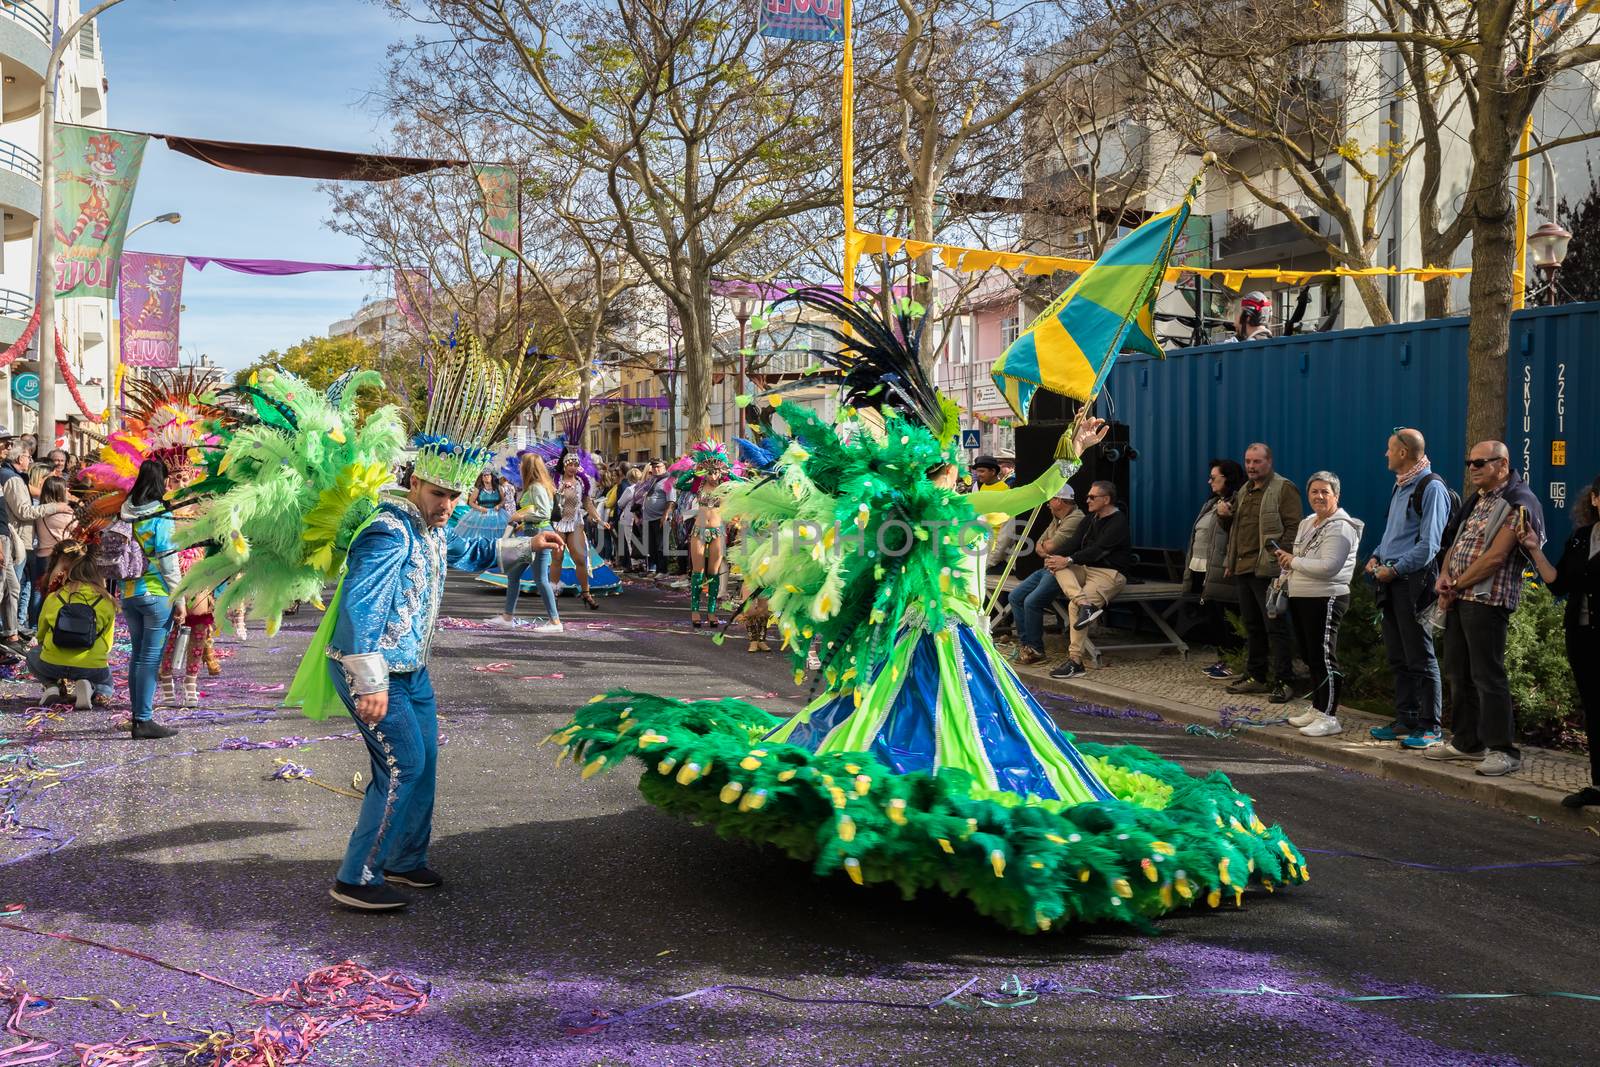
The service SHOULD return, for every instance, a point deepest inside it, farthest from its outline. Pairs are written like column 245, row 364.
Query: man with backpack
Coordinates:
column 1404, row 570
column 17, row 515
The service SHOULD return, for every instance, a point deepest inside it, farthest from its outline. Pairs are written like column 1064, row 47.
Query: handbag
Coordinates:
column 1278, row 597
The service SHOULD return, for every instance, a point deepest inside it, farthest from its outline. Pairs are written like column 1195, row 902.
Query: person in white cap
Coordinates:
column 1034, row 595
column 1254, row 319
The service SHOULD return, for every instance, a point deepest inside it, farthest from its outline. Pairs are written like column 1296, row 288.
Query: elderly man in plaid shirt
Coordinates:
column 1480, row 585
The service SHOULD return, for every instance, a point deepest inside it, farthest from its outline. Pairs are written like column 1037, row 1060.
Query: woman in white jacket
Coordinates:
column 1318, row 573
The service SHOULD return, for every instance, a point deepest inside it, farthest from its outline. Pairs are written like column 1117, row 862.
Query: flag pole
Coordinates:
column 1068, row 438
column 847, row 103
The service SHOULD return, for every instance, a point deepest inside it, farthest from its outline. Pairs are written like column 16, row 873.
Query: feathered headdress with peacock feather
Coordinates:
column 476, row 399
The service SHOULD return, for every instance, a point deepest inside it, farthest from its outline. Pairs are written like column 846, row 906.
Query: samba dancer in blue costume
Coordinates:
column 384, row 621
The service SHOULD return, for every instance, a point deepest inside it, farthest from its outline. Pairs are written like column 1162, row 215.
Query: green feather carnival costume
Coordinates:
column 925, row 762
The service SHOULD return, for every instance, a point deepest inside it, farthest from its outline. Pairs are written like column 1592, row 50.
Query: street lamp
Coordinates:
column 745, row 298
column 44, row 246
column 168, row 216
column 1548, row 247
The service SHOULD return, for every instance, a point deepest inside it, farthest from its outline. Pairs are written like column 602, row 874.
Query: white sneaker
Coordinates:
column 1304, row 717
column 1323, row 726
column 548, row 628
column 1497, row 763
column 85, row 695
column 1449, row 751
column 50, row 695
column 504, row 622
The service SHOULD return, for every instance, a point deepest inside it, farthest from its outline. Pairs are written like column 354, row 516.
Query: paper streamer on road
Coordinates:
column 1015, row 994
column 309, row 1009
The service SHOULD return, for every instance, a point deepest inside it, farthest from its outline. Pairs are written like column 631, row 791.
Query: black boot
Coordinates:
column 149, row 730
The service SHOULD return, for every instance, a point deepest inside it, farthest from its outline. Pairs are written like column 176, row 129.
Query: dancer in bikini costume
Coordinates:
column 924, row 761
column 703, row 476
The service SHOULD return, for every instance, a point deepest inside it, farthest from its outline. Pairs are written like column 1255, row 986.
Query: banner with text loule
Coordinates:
column 96, row 171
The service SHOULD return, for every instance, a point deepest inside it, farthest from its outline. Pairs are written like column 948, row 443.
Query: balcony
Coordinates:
column 20, row 195
column 24, row 52
column 1278, row 243
column 15, row 311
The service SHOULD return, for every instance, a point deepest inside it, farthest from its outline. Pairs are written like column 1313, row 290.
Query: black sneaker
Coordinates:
column 1070, row 669
column 368, row 897
column 1280, row 693
column 1586, row 797
column 150, row 730
column 419, row 878
column 1087, row 615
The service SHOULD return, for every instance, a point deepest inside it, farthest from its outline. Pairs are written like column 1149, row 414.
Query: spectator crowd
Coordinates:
column 1447, row 573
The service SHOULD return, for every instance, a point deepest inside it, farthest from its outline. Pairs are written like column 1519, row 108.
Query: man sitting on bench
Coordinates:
column 1034, row 594
column 1093, row 570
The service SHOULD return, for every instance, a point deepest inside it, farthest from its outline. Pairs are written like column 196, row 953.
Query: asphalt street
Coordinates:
column 570, row 901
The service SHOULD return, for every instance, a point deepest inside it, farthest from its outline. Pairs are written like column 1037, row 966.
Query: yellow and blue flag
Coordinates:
column 1109, row 309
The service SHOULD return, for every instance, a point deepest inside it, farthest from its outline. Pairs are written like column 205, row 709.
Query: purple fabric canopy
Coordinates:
column 635, row 401
column 275, row 267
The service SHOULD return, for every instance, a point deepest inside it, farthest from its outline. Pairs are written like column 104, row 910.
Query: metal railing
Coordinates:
column 28, row 14
column 16, row 305
column 18, row 159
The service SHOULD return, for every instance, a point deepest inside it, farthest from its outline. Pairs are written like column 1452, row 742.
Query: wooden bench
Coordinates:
column 1148, row 595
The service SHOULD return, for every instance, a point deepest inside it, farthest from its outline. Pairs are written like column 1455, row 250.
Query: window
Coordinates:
column 1009, row 330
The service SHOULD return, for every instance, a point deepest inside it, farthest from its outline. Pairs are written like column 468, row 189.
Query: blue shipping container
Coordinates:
column 1330, row 401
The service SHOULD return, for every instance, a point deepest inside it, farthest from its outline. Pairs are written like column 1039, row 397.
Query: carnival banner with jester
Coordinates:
column 96, row 171
column 147, row 303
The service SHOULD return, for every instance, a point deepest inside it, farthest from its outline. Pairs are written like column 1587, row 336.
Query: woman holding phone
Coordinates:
column 1577, row 577
column 1318, row 574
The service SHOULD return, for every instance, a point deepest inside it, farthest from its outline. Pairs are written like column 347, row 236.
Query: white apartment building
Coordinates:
column 26, row 32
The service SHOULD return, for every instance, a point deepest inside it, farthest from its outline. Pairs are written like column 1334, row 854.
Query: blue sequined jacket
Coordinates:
column 389, row 603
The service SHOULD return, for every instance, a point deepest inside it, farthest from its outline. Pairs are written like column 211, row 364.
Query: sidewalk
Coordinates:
column 1177, row 690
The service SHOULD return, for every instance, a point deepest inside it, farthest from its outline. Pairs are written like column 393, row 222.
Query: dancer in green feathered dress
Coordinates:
column 925, row 762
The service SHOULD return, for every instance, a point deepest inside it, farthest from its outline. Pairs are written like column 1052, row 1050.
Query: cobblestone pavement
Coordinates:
column 1169, row 677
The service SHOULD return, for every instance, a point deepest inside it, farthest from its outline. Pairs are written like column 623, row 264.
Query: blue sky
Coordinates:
column 274, row 71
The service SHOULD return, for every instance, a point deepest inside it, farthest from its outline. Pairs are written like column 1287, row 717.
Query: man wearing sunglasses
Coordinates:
column 1480, row 585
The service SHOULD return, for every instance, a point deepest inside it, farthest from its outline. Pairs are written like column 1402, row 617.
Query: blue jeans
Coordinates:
column 396, row 820
column 99, row 677
column 1408, row 643
column 149, row 618
column 24, row 593
column 35, row 587
column 1029, row 601
column 541, row 576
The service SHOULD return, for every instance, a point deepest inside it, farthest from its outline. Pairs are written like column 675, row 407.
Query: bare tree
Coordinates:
column 1302, row 129
column 707, row 138
column 1503, row 54
column 953, row 79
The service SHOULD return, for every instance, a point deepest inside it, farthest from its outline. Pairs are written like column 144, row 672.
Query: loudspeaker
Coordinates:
column 1036, row 450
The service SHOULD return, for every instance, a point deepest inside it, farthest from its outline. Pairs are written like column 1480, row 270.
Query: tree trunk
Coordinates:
column 1374, row 300
column 1494, row 246
column 696, row 353
column 1436, row 297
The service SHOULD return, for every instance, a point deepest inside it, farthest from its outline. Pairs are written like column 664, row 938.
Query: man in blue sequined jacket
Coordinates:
column 386, row 614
